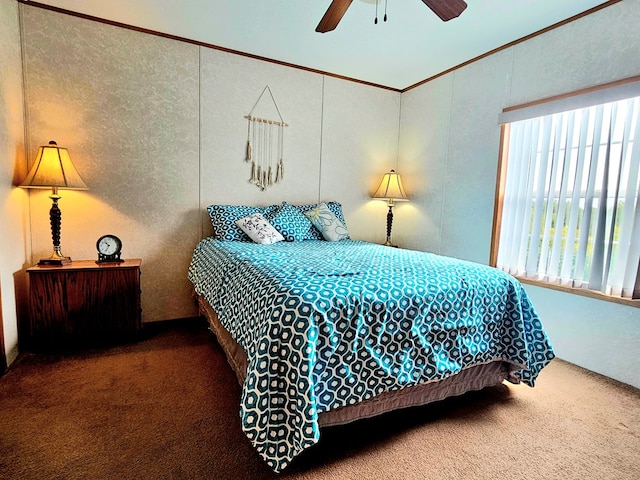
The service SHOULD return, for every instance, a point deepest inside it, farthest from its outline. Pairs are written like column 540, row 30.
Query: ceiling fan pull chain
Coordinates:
column 376, row 20
column 385, row 10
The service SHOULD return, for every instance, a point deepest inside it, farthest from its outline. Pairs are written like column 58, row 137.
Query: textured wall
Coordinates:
column 424, row 146
column 156, row 128
column 13, row 214
column 341, row 137
column 449, row 146
column 126, row 106
column 231, row 85
column 449, row 143
column 360, row 144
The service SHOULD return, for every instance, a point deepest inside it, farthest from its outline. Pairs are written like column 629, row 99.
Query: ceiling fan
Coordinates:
column 445, row 9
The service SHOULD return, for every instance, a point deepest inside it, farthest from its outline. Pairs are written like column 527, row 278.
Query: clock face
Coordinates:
column 109, row 245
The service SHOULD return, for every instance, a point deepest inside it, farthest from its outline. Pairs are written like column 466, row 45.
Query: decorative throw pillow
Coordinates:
column 327, row 223
column 259, row 229
column 314, row 233
column 292, row 224
column 223, row 219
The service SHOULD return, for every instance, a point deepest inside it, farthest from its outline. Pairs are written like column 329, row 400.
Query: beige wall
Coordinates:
column 13, row 201
column 156, row 128
column 449, row 148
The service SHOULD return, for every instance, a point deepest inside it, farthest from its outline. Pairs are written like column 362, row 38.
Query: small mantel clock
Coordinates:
column 109, row 249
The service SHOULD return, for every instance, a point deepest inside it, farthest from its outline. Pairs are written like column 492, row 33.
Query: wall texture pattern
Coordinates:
column 14, row 242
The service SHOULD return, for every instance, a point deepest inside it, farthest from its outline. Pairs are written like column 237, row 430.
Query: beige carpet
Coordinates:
column 167, row 407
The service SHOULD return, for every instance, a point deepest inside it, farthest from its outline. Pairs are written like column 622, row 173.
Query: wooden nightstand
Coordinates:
column 82, row 304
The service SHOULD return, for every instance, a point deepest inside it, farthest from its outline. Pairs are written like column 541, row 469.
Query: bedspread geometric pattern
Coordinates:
column 329, row 324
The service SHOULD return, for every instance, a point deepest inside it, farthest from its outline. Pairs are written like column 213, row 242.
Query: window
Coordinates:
column 570, row 204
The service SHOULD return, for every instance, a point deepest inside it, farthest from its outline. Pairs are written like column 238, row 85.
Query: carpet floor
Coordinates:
column 166, row 407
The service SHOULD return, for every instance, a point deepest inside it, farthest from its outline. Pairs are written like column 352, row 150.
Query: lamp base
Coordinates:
column 55, row 216
column 56, row 258
column 55, row 261
column 389, row 224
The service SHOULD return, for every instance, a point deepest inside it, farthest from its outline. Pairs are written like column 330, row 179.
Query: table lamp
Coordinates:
column 54, row 169
column 391, row 190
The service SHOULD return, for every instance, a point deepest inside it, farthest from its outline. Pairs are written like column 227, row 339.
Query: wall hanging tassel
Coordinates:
column 248, row 152
column 280, row 166
column 280, row 172
column 259, row 177
column 253, row 178
column 263, row 154
column 262, row 149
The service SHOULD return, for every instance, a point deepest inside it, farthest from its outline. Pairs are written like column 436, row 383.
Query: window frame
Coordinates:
column 610, row 92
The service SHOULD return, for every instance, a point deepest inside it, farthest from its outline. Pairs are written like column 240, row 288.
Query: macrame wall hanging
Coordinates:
column 265, row 142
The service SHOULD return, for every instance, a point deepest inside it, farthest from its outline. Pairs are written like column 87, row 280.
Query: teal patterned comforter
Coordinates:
column 329, row 324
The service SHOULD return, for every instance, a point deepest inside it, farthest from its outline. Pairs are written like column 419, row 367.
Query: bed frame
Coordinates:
column 473, row 378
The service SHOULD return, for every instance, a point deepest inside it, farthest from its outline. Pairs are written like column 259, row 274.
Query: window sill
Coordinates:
column 581, row 291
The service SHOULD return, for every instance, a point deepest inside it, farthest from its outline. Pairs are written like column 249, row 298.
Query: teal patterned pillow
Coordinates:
column 292, row 224
column 259, row 229
column 327, row 223
column 223, row 218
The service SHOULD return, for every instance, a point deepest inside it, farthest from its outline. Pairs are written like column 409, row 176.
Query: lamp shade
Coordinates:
column 53, row 168
column 391, row 188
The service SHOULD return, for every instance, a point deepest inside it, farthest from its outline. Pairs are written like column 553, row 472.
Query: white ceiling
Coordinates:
column 414, row 44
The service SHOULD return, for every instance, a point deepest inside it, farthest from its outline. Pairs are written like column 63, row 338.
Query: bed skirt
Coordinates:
column 473, row 378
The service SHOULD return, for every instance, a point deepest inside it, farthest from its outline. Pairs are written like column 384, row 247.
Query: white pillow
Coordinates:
column 259, row 229
column 330, row 226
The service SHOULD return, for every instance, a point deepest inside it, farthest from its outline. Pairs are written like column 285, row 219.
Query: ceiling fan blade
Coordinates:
column 446, row 9
column 333, row 15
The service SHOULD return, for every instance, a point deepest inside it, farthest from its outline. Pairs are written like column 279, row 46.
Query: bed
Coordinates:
column 321, row 333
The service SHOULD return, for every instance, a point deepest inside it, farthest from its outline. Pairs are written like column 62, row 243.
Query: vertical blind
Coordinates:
column 571, row 212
